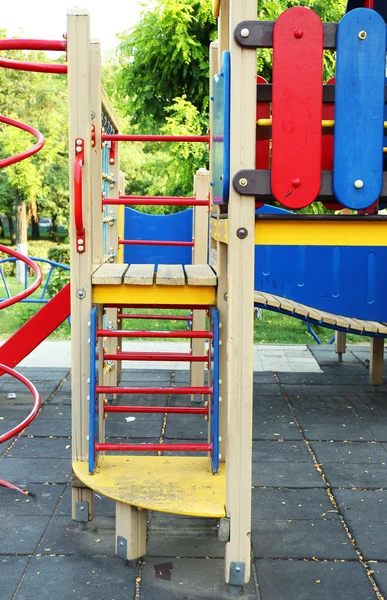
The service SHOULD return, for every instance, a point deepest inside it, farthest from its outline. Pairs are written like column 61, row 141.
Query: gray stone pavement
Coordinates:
column 319, row 495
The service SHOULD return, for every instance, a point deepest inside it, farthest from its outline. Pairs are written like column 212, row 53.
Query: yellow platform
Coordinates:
column 176, row 484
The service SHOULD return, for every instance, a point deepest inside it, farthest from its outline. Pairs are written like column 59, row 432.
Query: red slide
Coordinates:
column 36, row 329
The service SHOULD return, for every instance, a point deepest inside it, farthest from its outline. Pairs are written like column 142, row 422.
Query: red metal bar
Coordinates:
column 119, row 137
column 155, row 334
column 34, row 286
column 154, row 316
column 26, row 44
column 78, row 200
column 154, row 201
column 5, row 162
column 369, row 4
column 33, row 412
column 154, row 447
column 187, row 306
column 21, row 65
column 180, row 410
column 105, row 389
column 153, row 243
column 156, row 356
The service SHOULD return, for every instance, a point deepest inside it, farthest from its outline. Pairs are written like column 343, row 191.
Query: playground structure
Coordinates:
column 268, row 142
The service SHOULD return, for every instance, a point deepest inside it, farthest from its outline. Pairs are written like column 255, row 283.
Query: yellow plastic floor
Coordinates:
column 176, row 484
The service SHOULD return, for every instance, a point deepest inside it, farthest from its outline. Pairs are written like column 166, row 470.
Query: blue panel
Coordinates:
column 220, row 140
column 347, row 281
column 359, row 111
column 141, row 226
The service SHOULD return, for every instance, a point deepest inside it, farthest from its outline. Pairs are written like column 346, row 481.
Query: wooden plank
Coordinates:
column 109, row 274
column 368, row 326
column 131, row 525
column 200, row 275
column 271, row 300
column 170, row 275
column 355, row 325
column 381, row 327
column 140, row 275
column 376, row 361
column 286, row 304
column 259, row 298
column 297, row 107
column 358, row 157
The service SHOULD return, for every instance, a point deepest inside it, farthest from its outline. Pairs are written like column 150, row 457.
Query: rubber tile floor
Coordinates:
column 319, row 497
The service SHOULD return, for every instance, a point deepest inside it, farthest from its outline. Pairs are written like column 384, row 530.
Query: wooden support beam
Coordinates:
column 376, row 361
column 130, row 531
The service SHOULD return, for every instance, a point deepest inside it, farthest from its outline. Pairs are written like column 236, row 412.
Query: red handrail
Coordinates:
column 5, row 162
column 153, row 243
column 27, row 44
column 34, row 286
column 34, row 411
column 121, row 137
column 78, row 200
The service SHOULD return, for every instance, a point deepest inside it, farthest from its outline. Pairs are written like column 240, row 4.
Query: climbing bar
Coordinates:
column 173, row 306
column 35, row 408
column 105, row 389
column 154, row 201
column 156, row 356
column 26, row 44
column 180, row 410
column 154, row 316
column 155, row 334
column 154, row 447
column 34, row 286
column 119, row 137
column 5, row 162
column 153, row 243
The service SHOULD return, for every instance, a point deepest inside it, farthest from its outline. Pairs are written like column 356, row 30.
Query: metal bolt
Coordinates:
column 225, row 296
column 298, row 33
column 296, row 182
column 359, row 184
column 81, row 294
column 242, row 233
column 111, row 161
column 245, row 32
column 79, row 142
column 362, row 35
column 121, row 544
column 79, row 149
column 92, row 114
column 82, row 508
column 237, row 569
column 243, row 182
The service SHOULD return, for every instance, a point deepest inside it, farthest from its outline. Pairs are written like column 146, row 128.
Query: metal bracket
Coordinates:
column 122, row 545
column 82, row 512
column 237, row 573
column 259, row 34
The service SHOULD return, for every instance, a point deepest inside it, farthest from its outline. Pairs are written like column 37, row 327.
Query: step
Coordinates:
column 178, row 484
column 170, row 285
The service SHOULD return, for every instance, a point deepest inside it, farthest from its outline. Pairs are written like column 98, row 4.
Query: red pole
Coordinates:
column 21, row 65
column 187, row 306
column 26, row 44
column 369, row 4
column 191, row 335
column 156, row 356
column 154, row 447
column 105, row 389
column 153, row 243
column 154, row 316
column 181, row 410
column 119, row 137
column 149, row 201
column 5, row 162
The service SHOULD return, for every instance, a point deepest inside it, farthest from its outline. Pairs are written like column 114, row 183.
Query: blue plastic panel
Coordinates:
column 348, row 281
column 220, row 135
column 359, row 111
column 141, row 226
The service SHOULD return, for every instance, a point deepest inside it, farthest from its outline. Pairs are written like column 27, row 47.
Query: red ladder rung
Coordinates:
column 155, row 334
column 154, row 316
column 180, row 410
column 153, row 243
column 156, row 356
column 104, row 389
column 106, row 447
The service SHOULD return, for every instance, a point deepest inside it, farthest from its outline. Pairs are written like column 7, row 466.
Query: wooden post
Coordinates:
column 130, row 531
column 78, row 59
column 240, row 298
column 200, row 257
column 341, row 343
column 376, row 360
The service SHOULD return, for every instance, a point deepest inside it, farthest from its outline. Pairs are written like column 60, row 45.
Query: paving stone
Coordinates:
column 184, row 539
column 11, row 571
column 323, row 378
column 286, row 503
column 21, row 534
column 193, row 427
column 371, row 538
column 24, row 471
column 31, row 447
column 332, row 425
column 127, row 440
column 299, row 580
column 380, row 575
column 362, row 505
column 376, row 422
column 280, row 451
column 269, row 403
column 89, row 578
column 349, row 452
column 139, row 400
column 65, row 536
column 63, row 396
column 45, row 427
column 356, row 475
column 138, row 426
column 187, row 579
column 264, row 378
column 103, row 506
column 274, row 427
column 323, row 539
column 42, row 500
column 292, row 475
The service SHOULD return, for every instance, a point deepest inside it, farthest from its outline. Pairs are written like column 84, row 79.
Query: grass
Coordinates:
column 271, row 328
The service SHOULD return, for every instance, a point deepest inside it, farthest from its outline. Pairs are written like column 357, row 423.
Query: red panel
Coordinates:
column 262, row 146
column 44, row 322
column 298, row 40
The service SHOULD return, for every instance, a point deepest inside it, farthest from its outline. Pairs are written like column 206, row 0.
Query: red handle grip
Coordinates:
column 78, row 182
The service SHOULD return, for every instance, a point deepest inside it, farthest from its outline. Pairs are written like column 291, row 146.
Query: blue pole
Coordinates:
column 215, row 396
column 92, row 392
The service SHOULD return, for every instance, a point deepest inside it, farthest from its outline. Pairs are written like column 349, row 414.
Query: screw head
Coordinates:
column 359, row 184
column 79, row 142
column 78, row 149
column 81, row 294
column 245, row 32
column 362, row 35
column 237, row 569
column 242, row 233
column 298, row 33
column 243, row 182
column 296, row 182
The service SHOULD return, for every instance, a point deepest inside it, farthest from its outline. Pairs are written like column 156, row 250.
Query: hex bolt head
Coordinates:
column 359, row 184
column 245, row 32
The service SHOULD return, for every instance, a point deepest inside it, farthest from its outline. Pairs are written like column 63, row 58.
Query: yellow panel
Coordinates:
column 178, row 485
column 320, row 233
column 219, row 230
column 155, row 294
column 215, row 7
